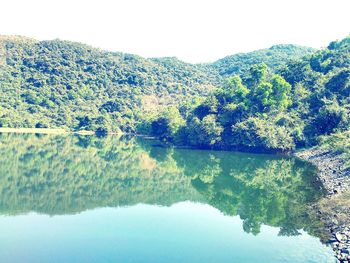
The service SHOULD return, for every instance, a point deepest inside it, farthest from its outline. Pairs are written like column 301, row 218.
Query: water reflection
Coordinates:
column 70, row 174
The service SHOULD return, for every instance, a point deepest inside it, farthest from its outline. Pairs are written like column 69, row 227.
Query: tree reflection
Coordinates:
column 69, row 174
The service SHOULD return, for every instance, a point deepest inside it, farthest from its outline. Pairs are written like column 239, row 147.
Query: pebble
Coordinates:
column 335, row 181
column 341, row 237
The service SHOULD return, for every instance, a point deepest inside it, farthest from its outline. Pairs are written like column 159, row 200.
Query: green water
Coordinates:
column 89, row 199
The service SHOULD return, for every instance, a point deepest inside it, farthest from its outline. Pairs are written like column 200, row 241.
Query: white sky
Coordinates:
column 192, row 30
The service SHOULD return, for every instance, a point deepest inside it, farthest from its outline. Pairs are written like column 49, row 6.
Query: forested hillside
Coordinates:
column 64, row 84
column 77, row 87
column 273, row 57
column 300, row 104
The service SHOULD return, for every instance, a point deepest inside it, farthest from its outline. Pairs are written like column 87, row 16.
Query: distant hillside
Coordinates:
column 60, row 83
column 273, row 57
column 71, row 85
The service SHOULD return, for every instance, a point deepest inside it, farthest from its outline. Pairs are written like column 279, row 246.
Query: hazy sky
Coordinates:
column 195, row 31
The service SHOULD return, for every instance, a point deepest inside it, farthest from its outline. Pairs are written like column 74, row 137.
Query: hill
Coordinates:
column 65, row 84
column 274, row 57
column 62, row 84
column 265, row 109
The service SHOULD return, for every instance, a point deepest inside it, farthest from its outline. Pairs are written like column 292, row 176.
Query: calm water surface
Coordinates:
column 89, row 199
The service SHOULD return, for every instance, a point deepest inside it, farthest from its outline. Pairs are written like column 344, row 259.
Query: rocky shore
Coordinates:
column 334, row 209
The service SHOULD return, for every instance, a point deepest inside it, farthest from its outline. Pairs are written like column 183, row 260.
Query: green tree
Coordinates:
column 280, row 93
column 258, row 74
column 209, row 106
column 261, row 98
column 234, row 90
column 339, row 83
column 204, row 133
column 167, row 124
column 259, row 134
column 329, row 118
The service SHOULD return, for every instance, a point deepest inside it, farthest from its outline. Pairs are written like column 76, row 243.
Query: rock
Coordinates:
column 335, row 181
column 341, row 246
column 344, row 250
column 335, row 245
column 341, row 237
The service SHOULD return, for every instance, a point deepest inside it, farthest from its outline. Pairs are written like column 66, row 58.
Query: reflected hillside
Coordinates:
column 70, row 174
column 261, row 189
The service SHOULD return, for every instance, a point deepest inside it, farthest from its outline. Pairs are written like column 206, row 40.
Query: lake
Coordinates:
column 87, row 199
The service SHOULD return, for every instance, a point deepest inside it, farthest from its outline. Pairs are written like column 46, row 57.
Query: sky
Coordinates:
column 192, row 30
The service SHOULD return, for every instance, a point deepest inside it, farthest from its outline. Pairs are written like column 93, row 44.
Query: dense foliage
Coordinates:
column 265, row 110
column 288, row 101
column 273, row 57
column 236, row 115
column 70, row 85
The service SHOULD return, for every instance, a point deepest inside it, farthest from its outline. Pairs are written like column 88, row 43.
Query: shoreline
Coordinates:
column 334, row 209
column 54, row 131
column 34, row 130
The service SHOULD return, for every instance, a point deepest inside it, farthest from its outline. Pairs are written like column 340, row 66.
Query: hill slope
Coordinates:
column 274, row 57
column 64, row 84
column 71, row 85
column 298, row 105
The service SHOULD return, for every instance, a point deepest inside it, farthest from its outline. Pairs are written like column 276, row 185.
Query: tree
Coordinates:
column 261, row 98
column 167, row 124
column 211, row 130
column 258, row 74
column 260, row 134
column 41, row 125
column 234, row 90
column 110, row 106
column 209, row 106
column 204, row 133
column 330, row 117
column 340, row 83
column 280, row 93
column 232, row 113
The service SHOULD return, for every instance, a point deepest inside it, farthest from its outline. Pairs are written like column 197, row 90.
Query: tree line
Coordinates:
column 266, row 110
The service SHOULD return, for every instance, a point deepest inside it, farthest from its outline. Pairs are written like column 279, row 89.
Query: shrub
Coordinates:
column 262, row 135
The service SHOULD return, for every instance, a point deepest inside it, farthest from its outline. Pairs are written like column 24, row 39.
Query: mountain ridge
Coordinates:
column 65, row 84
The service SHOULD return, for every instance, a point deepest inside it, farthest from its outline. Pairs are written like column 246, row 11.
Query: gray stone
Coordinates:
column 344, row 250
column 340, row 237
